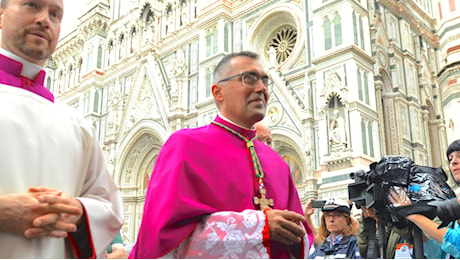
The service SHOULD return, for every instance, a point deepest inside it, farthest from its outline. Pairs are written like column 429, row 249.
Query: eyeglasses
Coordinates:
column 333, row 215
column 249, row 79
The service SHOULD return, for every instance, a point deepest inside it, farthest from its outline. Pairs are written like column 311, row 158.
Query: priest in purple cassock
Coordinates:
column 216, row 191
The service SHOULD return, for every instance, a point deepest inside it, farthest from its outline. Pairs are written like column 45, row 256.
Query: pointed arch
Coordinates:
column 138, row 149
column 147, row 15
column 291, row 153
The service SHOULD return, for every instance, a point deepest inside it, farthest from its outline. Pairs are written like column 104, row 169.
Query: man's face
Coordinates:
column 454, row 165
column 264, row 135
column 30, row 28
column 243, row 104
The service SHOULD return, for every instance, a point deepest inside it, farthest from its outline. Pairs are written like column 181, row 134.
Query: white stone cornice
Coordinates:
column 353, row 49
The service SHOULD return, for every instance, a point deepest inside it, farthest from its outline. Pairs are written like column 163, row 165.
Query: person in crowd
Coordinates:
column 218, row 192
column 396, row 238
column 308, row 212
column 57, row 199
column 336, row 232
column 448, row 237
column 356, row 220
column 263, row 133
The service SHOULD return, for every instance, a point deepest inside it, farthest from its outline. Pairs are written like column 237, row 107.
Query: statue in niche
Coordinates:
column 337, row 129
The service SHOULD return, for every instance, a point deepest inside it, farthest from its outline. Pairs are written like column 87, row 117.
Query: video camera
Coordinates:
column 365, row 192
column 357, row 190
column 425, row 186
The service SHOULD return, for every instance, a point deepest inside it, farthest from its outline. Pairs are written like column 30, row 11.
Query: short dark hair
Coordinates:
column 453, row 147
column 3, row 3
column 227, row 58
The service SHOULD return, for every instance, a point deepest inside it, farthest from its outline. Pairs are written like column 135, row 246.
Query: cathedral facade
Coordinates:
column 354, row 80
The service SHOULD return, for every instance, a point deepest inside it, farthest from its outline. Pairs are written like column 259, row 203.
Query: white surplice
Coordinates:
column 49, row 144
column 228, row 235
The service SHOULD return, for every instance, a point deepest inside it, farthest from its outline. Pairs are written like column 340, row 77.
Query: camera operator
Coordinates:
column 395, row 237
column 448, row 237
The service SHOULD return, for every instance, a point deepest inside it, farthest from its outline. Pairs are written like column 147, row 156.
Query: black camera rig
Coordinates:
column 426, row 187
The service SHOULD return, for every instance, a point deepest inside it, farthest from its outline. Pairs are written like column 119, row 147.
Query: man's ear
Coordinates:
column 216, row 90
column 1, row 17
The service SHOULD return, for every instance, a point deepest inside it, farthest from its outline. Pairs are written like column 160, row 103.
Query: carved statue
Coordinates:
column 337, row 129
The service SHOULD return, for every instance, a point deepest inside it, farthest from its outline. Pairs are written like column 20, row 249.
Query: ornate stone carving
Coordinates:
column 337, row 129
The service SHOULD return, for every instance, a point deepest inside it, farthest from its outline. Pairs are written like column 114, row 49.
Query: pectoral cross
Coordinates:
column 263, row 202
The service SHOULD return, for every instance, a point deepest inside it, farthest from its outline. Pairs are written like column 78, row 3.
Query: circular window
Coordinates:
column 283, row 40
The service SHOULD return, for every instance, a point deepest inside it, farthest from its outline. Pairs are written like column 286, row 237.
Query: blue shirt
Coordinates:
column 344, row 247
column 451, row 241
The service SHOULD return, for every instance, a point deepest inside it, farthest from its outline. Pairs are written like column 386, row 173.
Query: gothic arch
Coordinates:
column 334, row 87
column 139, row 150
column 292, row 154
column 387, row 84
column 147, row 14
column 331, row 96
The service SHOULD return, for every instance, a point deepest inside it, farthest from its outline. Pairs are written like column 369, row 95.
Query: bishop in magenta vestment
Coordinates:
column 201, row 195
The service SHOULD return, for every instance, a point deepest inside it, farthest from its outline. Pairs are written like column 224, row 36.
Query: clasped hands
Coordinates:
column 42, row 212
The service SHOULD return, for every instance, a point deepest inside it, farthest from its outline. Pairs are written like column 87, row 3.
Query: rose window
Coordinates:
column 283, row 41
